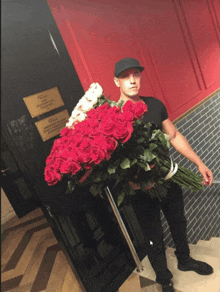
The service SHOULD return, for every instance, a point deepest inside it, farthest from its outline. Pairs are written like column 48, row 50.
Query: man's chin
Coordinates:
column 133, row 95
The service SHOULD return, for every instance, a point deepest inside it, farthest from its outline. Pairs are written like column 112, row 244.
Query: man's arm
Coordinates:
column 179, row 142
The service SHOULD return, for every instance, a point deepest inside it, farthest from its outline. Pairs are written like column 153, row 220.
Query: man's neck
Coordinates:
column 127, row 98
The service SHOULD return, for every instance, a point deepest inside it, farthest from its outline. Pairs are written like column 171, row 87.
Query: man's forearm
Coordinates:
column 180, row 143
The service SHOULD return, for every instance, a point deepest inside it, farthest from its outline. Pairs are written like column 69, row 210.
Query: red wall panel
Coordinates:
column 176, row 41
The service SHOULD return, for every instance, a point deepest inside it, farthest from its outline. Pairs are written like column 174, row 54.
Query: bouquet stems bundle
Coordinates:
column 186, row 178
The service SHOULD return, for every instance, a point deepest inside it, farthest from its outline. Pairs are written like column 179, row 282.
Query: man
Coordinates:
column 128, row 79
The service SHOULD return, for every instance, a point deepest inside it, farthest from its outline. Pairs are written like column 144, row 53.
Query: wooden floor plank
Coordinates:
column 12, row 263
column 11, row 283
column 29, row 251
column 58, row 273
column 23, row 288
column 36, row 213
column 32, row 269
column 12, row 245
column 45, row 269
column 5, row 244
column 8, row 275
column 17, row 230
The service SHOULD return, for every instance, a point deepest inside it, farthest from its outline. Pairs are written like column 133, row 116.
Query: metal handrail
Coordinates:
column 140, row 267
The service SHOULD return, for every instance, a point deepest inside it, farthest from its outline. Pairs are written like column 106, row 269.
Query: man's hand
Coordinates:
column 206, row 173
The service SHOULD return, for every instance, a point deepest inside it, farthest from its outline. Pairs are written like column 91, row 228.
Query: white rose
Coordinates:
column 91, row 97
column 75, row 112
column 94, row 92
column 86, row 106
column 81, row 117
column 97, row 89
column 70, row 122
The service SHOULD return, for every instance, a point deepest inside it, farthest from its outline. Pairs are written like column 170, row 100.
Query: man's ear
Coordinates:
column 116, row 81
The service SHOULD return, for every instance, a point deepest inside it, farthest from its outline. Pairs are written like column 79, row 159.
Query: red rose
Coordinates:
column 94, row 132
column 85, row 143
column 65, row 131
column 66, row 166
column 70, row 166
column 111, row 144
column 128, row 106
column 139, row 109
column 93, row 123
column 99, row 142
column 127, row 116
column 99, row 112
column 75, row 168
column 107, row 126
column 102, row 110
column 123, row 131
column 51, row 175
column 50, row 159
column 93, row 114
column 74, row 155
column 56, row 146
column 77, row 139
column 86, row 155
column 114, row 111
column 97, row 155
column 57, row 162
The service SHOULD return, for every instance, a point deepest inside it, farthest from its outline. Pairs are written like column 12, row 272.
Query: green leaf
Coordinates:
column 96, row 189
column 125, row 163
column 138, row 122
column 120, row 198
column 131, row 191
column 141, row 164
column 164, row 140
column 97, row 179
column 152, row 146
column 155, row 134
column 134, row 161
column 112, row 169
column 147, row 167
column 148, row 156
column 70, row 185
column 141, row 140
column 121, row 103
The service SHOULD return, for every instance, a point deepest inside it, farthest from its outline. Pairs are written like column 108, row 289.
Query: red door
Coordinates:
column 176, row 41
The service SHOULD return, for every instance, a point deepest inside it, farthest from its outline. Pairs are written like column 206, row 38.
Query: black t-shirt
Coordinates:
column 156, row 111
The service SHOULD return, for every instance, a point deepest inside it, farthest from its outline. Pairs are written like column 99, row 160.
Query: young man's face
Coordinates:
column 129, row 82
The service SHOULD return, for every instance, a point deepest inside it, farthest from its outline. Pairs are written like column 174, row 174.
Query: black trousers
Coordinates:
column 148, row 215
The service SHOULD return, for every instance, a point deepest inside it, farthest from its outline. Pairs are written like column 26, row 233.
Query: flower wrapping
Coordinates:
column 107, row 143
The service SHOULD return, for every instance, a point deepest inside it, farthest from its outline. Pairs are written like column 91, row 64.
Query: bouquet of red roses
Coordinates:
column 106, row 143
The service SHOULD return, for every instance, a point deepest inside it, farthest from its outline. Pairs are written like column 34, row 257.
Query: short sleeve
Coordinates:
column 164, row 114
column 156, row 111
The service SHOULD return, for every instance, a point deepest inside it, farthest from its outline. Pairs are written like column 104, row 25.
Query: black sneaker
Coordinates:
column 200, row 268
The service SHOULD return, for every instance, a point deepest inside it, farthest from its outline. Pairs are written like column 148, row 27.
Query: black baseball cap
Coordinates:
column 125, row 64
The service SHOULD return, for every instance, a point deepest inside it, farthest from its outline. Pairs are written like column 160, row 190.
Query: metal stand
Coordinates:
column 140, row 268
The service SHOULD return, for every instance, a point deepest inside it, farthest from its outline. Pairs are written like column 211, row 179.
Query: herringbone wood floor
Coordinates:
column 33, row 261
